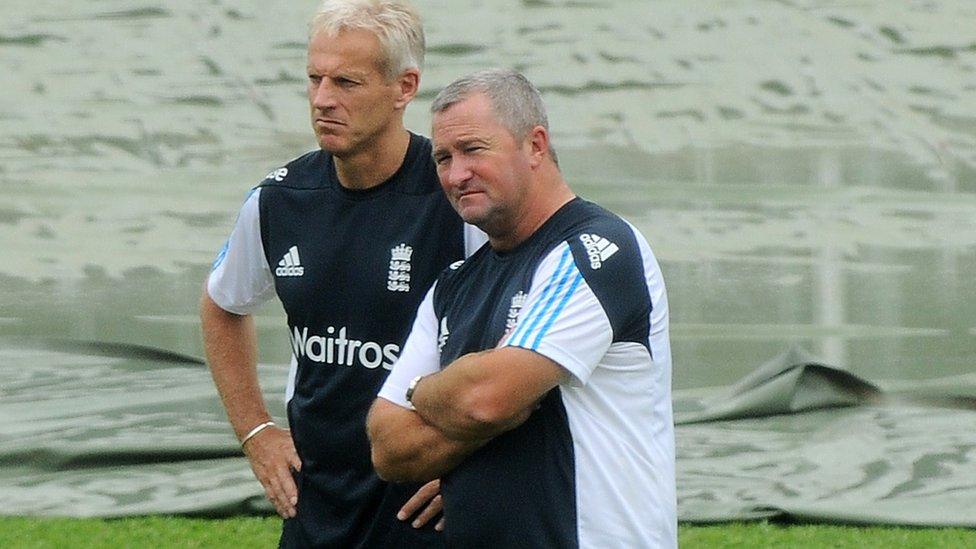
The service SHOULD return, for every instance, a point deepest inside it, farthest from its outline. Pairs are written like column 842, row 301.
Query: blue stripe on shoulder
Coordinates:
column 554, row 286
column 559, row 308
column 220, row 256
column 524, row 324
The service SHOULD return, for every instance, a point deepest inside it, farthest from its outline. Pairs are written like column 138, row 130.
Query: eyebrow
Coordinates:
column 436, row 151
column 461, row 142
column 341, row 73
column 355, row 75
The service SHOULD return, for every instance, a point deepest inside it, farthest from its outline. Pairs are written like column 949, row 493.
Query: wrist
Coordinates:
column 255, row 430
column 412, row 389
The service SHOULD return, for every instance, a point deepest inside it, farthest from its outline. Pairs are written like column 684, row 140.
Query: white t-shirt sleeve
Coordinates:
column 562, row 319
column 474, row 238
column 241, row 280
column 420, row 356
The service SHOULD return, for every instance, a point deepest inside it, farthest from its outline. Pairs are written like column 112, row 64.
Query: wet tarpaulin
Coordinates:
column 94, row 429
column 801, row 441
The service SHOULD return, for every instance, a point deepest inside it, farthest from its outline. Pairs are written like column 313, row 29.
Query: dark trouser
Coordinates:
column 320, row 522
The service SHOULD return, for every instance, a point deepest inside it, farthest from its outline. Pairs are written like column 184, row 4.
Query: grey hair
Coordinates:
column 395, row 23
column 514, row 100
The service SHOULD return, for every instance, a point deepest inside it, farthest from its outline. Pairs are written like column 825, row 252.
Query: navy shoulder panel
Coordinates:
column 305, row 172
column 450, row 278
column 418, row 174
column 608, row 256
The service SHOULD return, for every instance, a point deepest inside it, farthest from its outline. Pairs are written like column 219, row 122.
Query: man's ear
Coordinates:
column 408, row 83
column 538, row 145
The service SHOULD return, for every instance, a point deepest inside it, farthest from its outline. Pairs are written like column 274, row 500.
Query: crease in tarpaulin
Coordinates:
column 791, row 382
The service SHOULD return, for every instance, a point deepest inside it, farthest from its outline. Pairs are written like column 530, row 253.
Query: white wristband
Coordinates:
column 251, row 434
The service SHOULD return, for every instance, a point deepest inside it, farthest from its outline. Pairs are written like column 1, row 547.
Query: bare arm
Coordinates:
column 231, row 344
column 481, row 395
column 406, row 449
column 459, row 409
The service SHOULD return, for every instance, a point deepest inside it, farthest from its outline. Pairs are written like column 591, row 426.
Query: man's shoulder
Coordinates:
column 588, row 226
column 592, row 215
column 611, row 256
column 299, row 173
column 457, row 274
column 608, row 250
column 418, row 174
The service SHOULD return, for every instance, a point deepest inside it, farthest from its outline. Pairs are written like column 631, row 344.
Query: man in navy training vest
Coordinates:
column 536, row 380
column 349, row 238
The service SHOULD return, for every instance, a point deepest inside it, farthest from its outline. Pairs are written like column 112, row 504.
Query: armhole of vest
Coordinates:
column 445, row 279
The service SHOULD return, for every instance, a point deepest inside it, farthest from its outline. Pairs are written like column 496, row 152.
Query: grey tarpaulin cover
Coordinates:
column 89, row 429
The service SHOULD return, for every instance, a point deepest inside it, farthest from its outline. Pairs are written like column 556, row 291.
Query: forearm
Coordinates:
column 230, row 342
column 469, row 400
column 405, row 448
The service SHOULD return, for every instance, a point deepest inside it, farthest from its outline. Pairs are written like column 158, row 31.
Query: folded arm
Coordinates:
column 405, row 448
column 458, row 410
column 481, row 395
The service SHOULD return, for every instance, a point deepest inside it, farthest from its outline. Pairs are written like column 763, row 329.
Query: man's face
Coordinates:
column 483, row 169
column 351, row 101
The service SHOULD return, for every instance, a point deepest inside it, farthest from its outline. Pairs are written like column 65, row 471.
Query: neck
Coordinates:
column 375, row 163
column 543, row 204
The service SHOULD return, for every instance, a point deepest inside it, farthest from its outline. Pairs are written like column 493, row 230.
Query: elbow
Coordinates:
column 393, row 459
column 388, row 469
column 396, row 468
column 489, row 412
column 383, row 465
column 379, row 454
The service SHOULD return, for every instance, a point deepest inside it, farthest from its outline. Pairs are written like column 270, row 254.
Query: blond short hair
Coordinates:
column 395, row 23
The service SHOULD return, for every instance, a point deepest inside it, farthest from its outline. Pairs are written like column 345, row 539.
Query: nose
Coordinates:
column 321, row 95
column 458, row 172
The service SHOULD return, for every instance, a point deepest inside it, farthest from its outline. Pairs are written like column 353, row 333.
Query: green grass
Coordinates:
column 142, row 532
column 241, row 533
column 759, row 534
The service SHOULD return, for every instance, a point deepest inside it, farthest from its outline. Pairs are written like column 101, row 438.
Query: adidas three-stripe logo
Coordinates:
column 598, row 249
column 290, row 265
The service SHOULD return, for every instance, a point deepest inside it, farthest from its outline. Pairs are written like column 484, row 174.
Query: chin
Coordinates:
column 332, row 144
column 471, row 219
column 475, row 216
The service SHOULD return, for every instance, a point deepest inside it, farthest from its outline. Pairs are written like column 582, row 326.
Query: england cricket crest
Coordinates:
column 518, row 300
column 398, row 279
